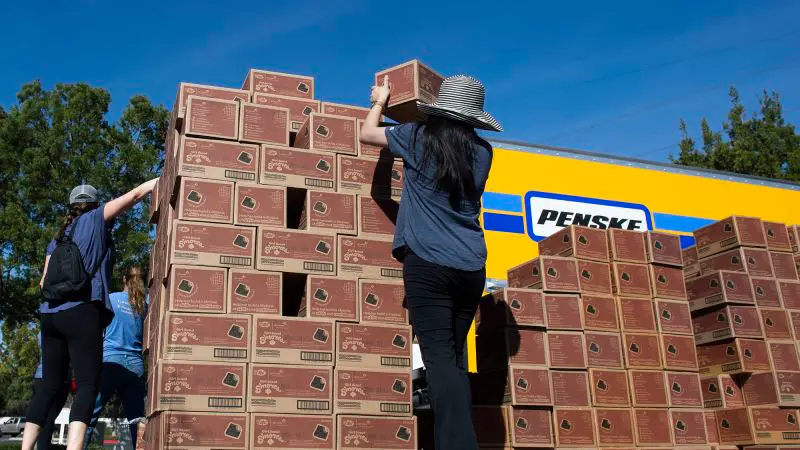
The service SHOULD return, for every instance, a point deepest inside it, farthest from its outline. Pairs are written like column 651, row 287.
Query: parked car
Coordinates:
column 12, row 426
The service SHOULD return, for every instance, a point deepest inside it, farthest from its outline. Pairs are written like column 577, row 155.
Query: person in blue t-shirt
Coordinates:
column 46, row 435
column 72, row 331
column 123, row 363
column 439, row 238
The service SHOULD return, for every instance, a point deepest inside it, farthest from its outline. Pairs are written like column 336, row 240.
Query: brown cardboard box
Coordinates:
column 719, row 287
column 797, row 262
column 381, row 301
column 369, row 150
column 220, row 160
column 627, row 246
column 373, row 346
column 766, row 292
column 197, row 289
column 206, row 337
column 296, row 251
column 783, row 266
column 154, row 204
column 667, row 282
column 211, row 117
column 261, row 124
column 648, row 388
column 329, row 212
column 790, row 293
column 578, row 242
column 368, row 258
column 530, row 386
column 636, row 315
column 776, row 323
column 678, row 352
column 254, row 292
column 563, row 312
column 376, row 217
column 600, row 313
column 674, row 317
column 777, row 235
column 290, row 431
column 200, row 386
column 684, row 390
column 379, row 392
column 511, row 307
column 330, row 298
column 491, row 426
column 664, row 249
column 604, row 350
column 549, row 273
column 631, row 280
column 411, row 82
column 729, row 233
column 733, row 427
column 596, row 277
column 783, row 355
column 207, row 244
column 772, row 389
column 204, row 200
column 522, row 346
column 260, row 206
column 774, row 426
column 290, row 340
column 688, row 426
column 328, row 133
column 642, row 351
column 299, row 109
column 199, row 431
column 262, row 81
column 289, row 389
column 530, row 427
column 574, row 428
column 721, row 391
column 754, row 261
column 570, row 388
column 566, row 350
column 378, row 433
column 653, row 427
column 609, row 387
column 379, row 178
column 794, row 316
column 691, row 263
column 733, row 357
column 711, row 427
column 727, row 322
column 298, row 168
column 794, row 238
column 614, row 426
column 338, row 109
column 207, row 91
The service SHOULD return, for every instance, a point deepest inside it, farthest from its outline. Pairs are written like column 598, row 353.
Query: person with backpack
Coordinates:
column 46, row 435
column 123, row 363
column 76, row 307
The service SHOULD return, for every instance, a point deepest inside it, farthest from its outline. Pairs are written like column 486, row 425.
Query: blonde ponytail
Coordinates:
column 134, row 283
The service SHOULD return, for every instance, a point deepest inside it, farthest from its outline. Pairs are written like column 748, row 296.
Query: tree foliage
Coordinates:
column 19, row 353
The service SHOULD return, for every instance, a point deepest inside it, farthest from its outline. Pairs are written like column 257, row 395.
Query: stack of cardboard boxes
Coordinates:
column 276, row 317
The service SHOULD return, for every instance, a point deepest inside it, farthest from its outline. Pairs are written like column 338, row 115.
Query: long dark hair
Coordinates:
column 75, row 211
column 134, row 282
column 451, row 146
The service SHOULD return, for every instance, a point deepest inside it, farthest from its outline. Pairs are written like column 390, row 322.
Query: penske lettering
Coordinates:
column 566, row 218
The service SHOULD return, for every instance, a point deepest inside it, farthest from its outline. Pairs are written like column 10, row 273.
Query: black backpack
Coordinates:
column 66, row 278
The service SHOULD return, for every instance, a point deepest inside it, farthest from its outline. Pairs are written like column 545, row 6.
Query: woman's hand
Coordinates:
column 380, row 94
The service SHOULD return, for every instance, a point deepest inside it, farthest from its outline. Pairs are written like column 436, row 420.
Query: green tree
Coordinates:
column 764, row 144
column 19, row 352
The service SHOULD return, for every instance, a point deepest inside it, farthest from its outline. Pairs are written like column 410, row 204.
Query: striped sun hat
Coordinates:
column 461, row 98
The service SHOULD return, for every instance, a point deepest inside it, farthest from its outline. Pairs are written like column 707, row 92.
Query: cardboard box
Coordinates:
column 377, row 217
column 219, row 160
column 197, row 289
column 754, row 261
column 578, row 242
column 648, row 388
column 200, row 386
column 711, row 427
column 691, row 263
column 381, row 301
column 511, row 307
column 772, row 389
column 365, row 432
column 373, row 346
column 734, row 231
column 570, row 388
column 688, row 426
column 733, row 427
column 734, row 357
column 776, row 323
column 290, row 340
column 683, row 389
column 330, row 298
column 261, row 124
column 642, row 351
column 654, row 427
column 522, row 346
column 299, row 108
column 207, row 91
column 574, row 428
column 774, row 426
column 777, row 235
column 288, row 389
column 276, row 83
column 329, row 212
column 614, row 426
column 491, row 426
column 328, row 133
column 627, row 246
column 721, row 391
column 530, row 386
column 199, row 431
column 727, row 322
column 298, row 168
column 631, row 280
column 411, row 82
column 260, row 206
column 206, row 337
column 291, row 431
column 790, row 293
column 369, row 150
column 596, row 277
column 530, row 427
column 674, row 317
column 783, row 355
column 549, row 273
column 379, row 392
column 720, row 287
column 338, row 109
column 664, row 249
column 211, row 117
column 600, row 313
column 794, row 316
column 667, row 282
column 794, row 238
column 767, row 293
column 296, row 251
column 604, row 350
column 609, row 387
column 379, row 178
column 154, row 204
column 636, row 315
column 566, row 350
column 678, row 352
column 563, row 312
column 206, row 244
column 204, row 200
column 784, row 266
column 368, row 258
column 254, row 292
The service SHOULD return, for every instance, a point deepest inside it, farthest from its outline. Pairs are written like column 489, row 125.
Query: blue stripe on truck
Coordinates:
column 504, row 223
column 673, row 222
column 502, row 202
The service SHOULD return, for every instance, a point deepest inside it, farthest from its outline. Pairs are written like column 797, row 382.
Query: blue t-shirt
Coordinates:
column 124, row 335
column 427, row 222
column 93, row 237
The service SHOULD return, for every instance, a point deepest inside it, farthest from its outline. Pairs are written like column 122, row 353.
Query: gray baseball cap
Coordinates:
column 84, row 193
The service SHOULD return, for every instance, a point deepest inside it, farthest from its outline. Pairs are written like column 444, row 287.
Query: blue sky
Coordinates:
column 614, row 77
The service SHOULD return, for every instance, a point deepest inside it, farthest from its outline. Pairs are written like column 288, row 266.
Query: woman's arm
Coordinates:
column 121, row 204
column 371, row 133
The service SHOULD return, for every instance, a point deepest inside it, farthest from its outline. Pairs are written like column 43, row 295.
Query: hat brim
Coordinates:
column 478, row 119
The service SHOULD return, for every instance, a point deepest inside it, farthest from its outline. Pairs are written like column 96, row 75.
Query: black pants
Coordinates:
column 73, row 336
column 46, row 433
column 442, row 304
